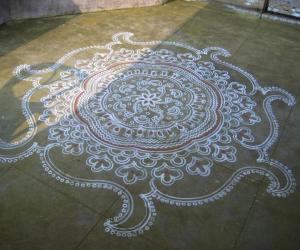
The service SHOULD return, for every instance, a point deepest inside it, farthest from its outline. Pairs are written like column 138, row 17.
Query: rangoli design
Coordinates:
column 159, row 113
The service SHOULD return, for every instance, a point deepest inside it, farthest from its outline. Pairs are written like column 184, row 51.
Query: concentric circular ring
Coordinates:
column 152, row 107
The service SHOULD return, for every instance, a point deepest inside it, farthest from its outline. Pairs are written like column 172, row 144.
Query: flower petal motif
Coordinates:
column 99, row 163
column 224, row 153
column 243, row 134
column 246, row 102
column 166, row 174
column 72, row 147
column 199, row 166
column 131, row 173
column 238, row 88
column 186, row 57
column 248, row 117
column 59, row 134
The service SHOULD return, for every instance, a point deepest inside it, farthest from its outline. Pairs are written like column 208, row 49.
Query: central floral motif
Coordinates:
column 150, row 107
column 148, row 100
column 147, row 103
column 168, row 119
column 144, row 102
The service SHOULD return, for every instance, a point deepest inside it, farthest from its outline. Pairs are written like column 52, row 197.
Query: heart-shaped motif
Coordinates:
column 248, row 117
column 71, row 147
column 242, row 135
column 99, row 163
column 131, row 173
column 224, row 153
column 199, row 166
column 167, row 174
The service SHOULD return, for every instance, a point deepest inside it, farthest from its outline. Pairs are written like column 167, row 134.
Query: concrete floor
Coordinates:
column 40, row 212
